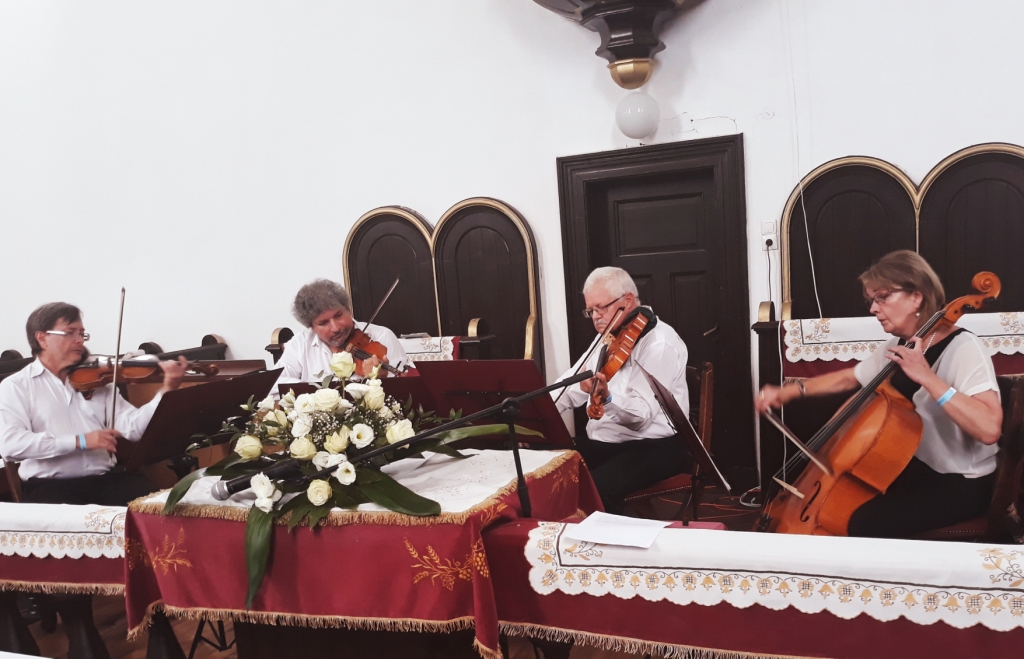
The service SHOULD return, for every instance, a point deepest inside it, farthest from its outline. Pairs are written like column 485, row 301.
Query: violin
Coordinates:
column 859, row 453
column 618, row 346
column 99, row 372
column 362, row 348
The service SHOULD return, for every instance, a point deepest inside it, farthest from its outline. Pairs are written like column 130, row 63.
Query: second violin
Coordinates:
column 619, row 344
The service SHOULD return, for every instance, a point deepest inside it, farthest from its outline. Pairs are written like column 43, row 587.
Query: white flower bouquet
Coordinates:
column 329, row 429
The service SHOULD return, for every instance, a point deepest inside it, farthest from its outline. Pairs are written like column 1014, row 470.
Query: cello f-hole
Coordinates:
column 804, row 517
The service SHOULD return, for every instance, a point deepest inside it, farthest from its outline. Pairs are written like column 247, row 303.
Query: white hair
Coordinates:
column 616, row 281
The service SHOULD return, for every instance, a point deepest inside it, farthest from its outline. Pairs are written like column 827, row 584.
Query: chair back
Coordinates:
column 700, row 383
column 13, row 480
column 1009, row 488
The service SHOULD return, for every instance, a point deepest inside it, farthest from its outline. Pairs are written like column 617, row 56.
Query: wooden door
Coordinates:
column 673, row 217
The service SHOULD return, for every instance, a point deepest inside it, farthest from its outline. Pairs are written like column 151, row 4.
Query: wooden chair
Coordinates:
column 13, row 480
column 700, row 385
column 1006, row 497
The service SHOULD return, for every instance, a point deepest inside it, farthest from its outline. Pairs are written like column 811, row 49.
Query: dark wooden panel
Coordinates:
column 484, row 271
column 856, row 215
column 673, row 216
column 383, row 247
column 972, row 219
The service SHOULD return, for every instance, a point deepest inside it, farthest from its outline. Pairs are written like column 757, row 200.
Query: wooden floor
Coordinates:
column 110, row 618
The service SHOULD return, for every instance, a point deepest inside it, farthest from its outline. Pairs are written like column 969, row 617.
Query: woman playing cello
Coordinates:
column 953, row 387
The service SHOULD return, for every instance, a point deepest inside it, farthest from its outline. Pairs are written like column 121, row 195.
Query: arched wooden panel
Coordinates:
column 857, row 212
column 386, row 243
column 486, row 268
column 972, row 219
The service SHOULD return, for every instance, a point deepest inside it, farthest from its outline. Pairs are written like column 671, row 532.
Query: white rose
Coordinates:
column 281, row 418
column 401, row 430
column 325, row 460
column 301, row 426
column 374, row 397
column 346, row 473
column 326, row 399
column 288, row 400
column 319, row 492
column 263, row 487
column 302, row 448
column 304, row 404
column 342, row 365
column 337, row 441
column 266, row 404
column 362, row 435
column 249, row 447
column 344, row 405
column 357, row 390
column 385, row 413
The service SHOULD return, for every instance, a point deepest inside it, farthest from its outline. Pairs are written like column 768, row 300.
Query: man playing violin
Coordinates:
column 64, row 441
column 952, row 384
column 633, row 445
column 324, row 309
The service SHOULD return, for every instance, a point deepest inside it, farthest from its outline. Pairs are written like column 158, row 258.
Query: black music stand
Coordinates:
column 193, row 410
column 472, row 386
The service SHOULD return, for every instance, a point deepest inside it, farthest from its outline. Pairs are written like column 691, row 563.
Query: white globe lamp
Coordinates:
column 637, row 115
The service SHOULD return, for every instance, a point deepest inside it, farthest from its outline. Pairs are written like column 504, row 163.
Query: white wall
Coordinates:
column 212, row 156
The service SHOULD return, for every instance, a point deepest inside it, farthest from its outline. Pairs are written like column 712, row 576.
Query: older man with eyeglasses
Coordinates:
column 633, row 445
column 64, row 440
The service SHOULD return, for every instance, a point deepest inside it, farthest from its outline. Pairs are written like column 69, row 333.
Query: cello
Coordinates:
column 859, row 453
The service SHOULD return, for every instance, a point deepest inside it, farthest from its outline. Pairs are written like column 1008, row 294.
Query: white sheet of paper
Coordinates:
column 606, row 529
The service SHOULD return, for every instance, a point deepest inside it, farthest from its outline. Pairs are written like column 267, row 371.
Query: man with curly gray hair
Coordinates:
column 325, row 310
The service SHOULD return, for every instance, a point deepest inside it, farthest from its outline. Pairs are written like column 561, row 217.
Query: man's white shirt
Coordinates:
column 308, row 359
column 41, row 417
column 633, row 412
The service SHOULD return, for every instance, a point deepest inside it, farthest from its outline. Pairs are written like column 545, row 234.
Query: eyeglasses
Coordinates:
column 880, row 298
column 601, row 308
column 73, row 334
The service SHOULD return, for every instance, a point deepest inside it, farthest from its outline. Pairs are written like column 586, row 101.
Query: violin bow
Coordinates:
column 601, row 340
column 117, row 355
column 381, row 305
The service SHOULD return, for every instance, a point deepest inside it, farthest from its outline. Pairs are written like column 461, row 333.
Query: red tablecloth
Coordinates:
column 99, row 576
column 404, row 574
column 642, row 626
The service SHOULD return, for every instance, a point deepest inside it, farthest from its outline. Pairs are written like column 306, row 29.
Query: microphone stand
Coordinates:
column 507, row 410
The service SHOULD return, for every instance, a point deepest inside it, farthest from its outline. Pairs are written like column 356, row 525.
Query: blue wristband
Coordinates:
column 946, row 396
column 609, row 399
column 81, row 442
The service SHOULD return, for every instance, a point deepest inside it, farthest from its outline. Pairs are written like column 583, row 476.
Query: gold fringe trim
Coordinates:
column 301, row 620
column 63, row 588
column 346, row 518
column 629, row 645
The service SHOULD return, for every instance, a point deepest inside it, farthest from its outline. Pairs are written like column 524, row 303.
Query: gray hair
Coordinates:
column 317, row 297
column 615, row 280
column 45, row 319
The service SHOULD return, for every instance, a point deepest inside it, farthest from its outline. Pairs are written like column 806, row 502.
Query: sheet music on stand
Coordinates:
column 475, row 385
column 188, row 411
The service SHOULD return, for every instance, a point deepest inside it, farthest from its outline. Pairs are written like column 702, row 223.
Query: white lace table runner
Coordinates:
column 61, row 531
column 458, row 485
column 958, row 583
column 430, row 349
column 846, row 339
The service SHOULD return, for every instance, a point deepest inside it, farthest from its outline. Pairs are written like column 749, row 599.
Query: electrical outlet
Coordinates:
column 769, row 242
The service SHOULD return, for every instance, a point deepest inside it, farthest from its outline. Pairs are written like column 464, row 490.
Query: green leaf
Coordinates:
column 319, row 513
column 299, row 507
column 346, row 496
column 259, row 530
column 327, row 382
column 450, row 436
column 367, row 475
column 394, row 496
column 179, row 490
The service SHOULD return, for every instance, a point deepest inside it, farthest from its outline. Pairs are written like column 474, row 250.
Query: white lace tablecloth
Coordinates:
column 61, row 531
column 960, row 584
column 846, row 339
column 458, row 485
column 429, row 349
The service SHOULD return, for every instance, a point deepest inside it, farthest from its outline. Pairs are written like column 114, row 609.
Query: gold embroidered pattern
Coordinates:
column 1006, row 565
column 105, row 538
column 437, row 569
column 491, row 514
column 562, row 478
column 164, row 558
